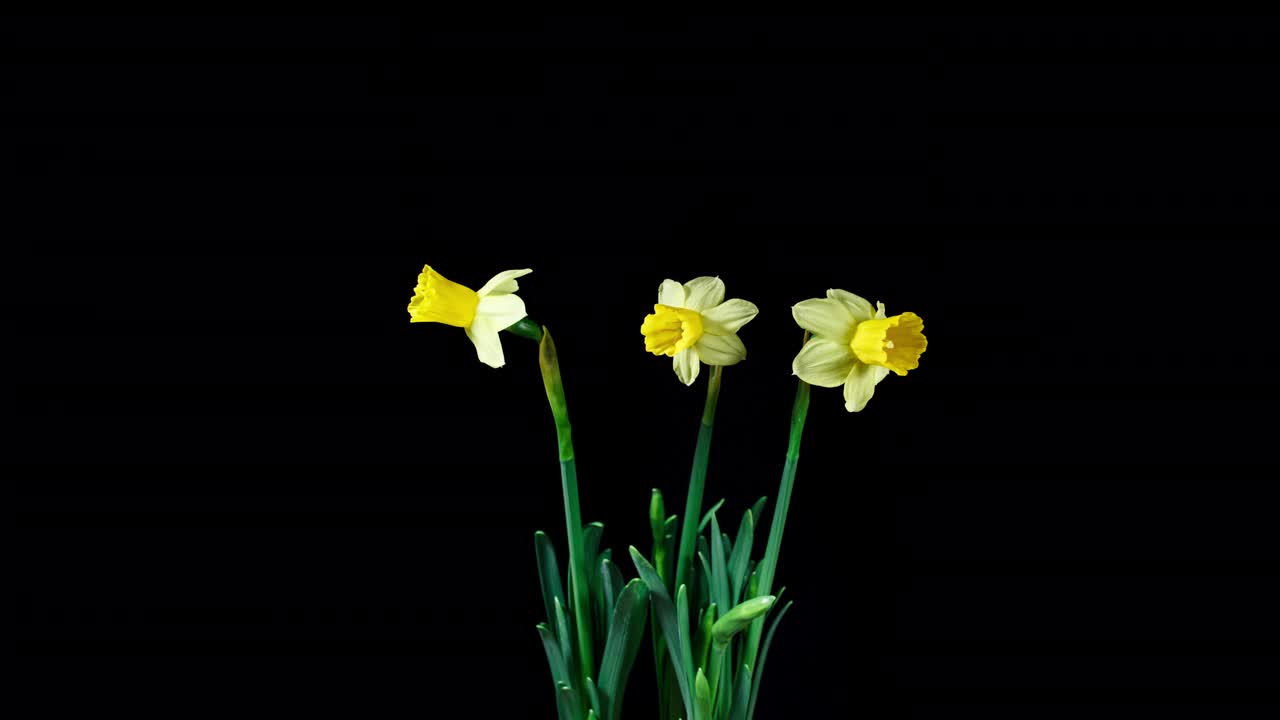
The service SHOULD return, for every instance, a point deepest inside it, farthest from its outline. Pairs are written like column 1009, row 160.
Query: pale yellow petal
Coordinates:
column 501, row 311
column 484, row 335
column 671, row 293
column 687, row 366
column 823, row 363
column 860, row 308
column 502, row 283
column 859, row 387
column 720, row 349
column 880, row 314
column 728, row 317
column 826, row 318
column 703, row 292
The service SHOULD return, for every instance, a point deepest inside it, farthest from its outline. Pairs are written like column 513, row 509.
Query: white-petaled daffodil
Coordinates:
column 693, row 324
column 482, row 313
column 854, row 345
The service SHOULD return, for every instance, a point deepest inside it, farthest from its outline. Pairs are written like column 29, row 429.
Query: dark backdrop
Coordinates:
column 250, row 485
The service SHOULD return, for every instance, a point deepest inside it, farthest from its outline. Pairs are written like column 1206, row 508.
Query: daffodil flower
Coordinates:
column 693, row 324
column 482, row 313
column 854, row 345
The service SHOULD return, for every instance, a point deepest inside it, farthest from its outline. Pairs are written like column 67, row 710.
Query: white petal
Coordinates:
column 687, row 366
column 488, row 345
column 502, row 283
column 728, row 317
column 703, row 292
column 720, row 349
column 824, row 363
column 881, row 372
column 880, row 310
column 671, row 293
column 829, row 319
column 859, row 387
column 860, row 308
column 500, row 311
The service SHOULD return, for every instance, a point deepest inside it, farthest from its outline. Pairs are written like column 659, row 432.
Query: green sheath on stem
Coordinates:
column 697, row 480
column 550, row 365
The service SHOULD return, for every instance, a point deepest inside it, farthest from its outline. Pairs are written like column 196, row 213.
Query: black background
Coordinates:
column 249, row 485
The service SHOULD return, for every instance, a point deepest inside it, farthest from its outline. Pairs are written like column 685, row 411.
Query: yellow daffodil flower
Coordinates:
column 482, row 313
column 854, row 345
column 693, row 324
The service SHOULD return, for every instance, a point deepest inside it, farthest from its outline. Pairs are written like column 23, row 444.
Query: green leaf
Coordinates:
column 555, row 658
column 564, row 633
column 668, row 566
column 625, row 634
column 702, row 639
column 720, row 575
column 758, row 508
column 607, row 589
column 591, row 534
column 657, row 513
column 764, row 655
column 591, row 715
column 706, row 517
column 686, row 636
column 741, row 695
column 593, row 696
column 739, row 618
column 702, row 691
column 569, row 697
column 548, row 573
column 666, row 613
column 741, row 555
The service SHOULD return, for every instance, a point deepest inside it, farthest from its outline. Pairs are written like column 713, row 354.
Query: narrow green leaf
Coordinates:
column 657, row 514
column 555, row 658
column 741, row 555
column 741, row 695
column 741, row 616
column 565, row 634
column 591, row 715
column 593, row 696
column 591, row 534
column 548, row 573
column 764, row 655
column 666, row 613
column 720, row 574
column 607, row 591
column 758, row 508
column 686, row 633
column 669, row 540
column 706, row 517
column 702, row 693
column 570, row 698
column 625, row 635
column 702, row 639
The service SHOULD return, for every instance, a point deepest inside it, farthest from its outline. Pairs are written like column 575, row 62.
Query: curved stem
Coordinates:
column 697, row 481
column 769, row 563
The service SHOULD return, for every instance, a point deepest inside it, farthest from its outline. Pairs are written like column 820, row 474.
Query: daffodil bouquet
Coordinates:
column 704, row 597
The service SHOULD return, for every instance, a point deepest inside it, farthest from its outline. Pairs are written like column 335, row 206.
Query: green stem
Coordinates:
column 697, row 481
column 769, row 563
column 550, row 365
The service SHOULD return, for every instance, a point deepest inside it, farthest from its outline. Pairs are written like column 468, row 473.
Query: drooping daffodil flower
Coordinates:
column 693, row 324
column 482, row 313
column 854, row 345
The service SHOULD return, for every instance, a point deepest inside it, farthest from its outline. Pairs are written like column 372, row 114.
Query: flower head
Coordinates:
column 482, row 313
column 693, row 324
column 854, row 345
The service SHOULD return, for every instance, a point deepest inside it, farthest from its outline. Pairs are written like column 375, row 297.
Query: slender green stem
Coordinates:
column 697, row 481
column 769, row 563
column 550, row 365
